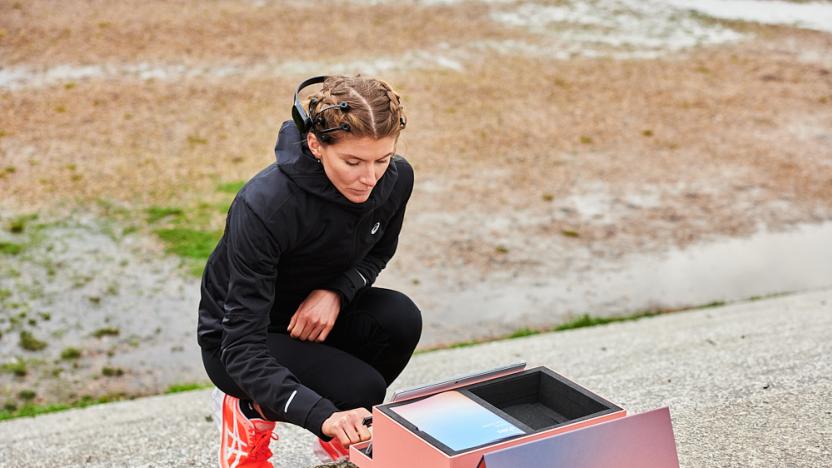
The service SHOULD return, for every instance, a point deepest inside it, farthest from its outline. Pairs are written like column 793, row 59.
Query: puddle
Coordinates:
column 728, row 270
column 18, row 77
column 807, row 15
column 631, row 29
column 618, row 28
column 73, row 279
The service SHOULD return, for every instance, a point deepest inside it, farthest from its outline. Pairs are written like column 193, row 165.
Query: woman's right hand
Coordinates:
column 347, row 426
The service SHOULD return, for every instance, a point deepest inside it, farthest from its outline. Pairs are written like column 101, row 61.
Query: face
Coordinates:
column 354, row 165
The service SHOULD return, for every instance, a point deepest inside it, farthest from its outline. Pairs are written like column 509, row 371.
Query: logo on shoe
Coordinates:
column 375, row 228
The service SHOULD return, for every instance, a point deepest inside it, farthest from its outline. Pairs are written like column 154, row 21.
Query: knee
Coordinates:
column 363, row 389
column 405, row 321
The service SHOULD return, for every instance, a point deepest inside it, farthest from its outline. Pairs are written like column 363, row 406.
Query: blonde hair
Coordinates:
column 375, row 109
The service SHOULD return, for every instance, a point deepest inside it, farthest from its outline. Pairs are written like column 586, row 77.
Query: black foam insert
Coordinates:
column 540, row 399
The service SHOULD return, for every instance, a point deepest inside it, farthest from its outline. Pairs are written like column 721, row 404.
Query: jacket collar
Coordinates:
column 298, row 163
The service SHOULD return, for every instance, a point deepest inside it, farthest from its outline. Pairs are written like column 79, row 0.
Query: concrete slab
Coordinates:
column 747, row 384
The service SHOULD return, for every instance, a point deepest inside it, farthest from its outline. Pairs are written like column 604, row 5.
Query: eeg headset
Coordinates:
column 306, row 123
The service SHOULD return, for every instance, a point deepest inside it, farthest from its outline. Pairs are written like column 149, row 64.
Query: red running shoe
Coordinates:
column 244, row 442
column 331, row 451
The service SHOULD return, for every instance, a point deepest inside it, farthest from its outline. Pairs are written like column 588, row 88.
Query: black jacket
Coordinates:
column 289, row 231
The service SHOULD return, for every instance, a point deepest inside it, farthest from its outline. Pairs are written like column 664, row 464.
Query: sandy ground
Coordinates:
column 538, row 152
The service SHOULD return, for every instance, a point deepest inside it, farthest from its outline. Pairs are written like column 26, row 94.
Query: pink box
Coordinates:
column 534, row 405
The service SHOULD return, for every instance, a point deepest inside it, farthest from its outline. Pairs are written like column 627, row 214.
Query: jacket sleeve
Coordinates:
column 253, row 253
column 364, row 272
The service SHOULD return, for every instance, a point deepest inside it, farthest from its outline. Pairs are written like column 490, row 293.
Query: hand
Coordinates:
column 315, row 316
column 346, row 426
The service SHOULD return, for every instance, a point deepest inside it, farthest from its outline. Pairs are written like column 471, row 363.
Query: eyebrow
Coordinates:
column 356, row 157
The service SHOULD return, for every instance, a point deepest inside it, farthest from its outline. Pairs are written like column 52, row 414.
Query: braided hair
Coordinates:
column 373, row 109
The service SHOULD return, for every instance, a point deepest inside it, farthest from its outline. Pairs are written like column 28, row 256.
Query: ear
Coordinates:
column 314, row 144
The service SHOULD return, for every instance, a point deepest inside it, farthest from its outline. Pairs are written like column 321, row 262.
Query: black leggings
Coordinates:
column 368, row 347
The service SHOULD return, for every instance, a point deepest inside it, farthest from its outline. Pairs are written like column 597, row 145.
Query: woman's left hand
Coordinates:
column 315, row 316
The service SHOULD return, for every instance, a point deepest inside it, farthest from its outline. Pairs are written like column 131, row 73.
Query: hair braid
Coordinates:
column 375, row 109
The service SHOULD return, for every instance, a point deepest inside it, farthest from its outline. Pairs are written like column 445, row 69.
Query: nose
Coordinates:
column 368, row 177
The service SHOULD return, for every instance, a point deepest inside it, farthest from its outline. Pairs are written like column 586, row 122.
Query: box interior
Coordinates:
column 533, row 400
column 538, row 400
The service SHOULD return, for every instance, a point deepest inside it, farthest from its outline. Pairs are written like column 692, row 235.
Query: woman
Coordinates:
column 290, row 326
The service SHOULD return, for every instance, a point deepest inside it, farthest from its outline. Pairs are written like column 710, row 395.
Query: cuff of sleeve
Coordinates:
column 299, row 408
column 319, row 413
column 347, row 284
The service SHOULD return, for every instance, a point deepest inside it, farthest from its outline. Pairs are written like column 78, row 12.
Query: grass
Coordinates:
column 11, row 411
column 29, row 342
column 10, row 248
column 18, row 224
column 18, row 368
column 231, row 187
column 106, row 331
column 581, row 321
column 189, row 243
column 108, row 371
column 157, row 213
column 187, row 387
column 70, row 353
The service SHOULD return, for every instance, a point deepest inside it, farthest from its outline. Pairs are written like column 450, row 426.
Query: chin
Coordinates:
column 359, row 198
column 355, row 198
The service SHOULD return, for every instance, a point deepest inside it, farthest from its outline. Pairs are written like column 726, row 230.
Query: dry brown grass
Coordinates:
column 44, row 32
column 720, row 133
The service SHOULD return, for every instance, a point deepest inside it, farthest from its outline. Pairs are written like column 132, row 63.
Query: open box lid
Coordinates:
column 640, row 441
column 430, row 389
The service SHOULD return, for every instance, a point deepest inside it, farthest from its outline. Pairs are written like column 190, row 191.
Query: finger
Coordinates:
column 292, row 322
column 299, row 326
column 325, row 332
column 342, row 437
column 314, row 333
column 352, row 433
column 307, row 330
column 363, row 431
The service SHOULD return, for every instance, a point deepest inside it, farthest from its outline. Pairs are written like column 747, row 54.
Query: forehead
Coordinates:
column 365, row 147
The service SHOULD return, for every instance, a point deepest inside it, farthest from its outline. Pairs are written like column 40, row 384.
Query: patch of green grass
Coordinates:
column 5, row 294
column 189, row 243
column 587, row 320
column 569, row 233
column 27, row 395
column 29, row 342
column 18, row 224
column 586, row 140
column 11, row 411
column 106, row 331
column 186, row 387
column 196, row 268
column 10, row 248
column 70, row 353
column 157, row 213
column 523, row 332
column 108, row 371
column 18, row 368
column 231, row 187
column 584, row 320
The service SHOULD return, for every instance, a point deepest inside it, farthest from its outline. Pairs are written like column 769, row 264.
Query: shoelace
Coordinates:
column 260, row 448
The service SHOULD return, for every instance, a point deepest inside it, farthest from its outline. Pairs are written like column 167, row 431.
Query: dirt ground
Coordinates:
column 527, row 164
